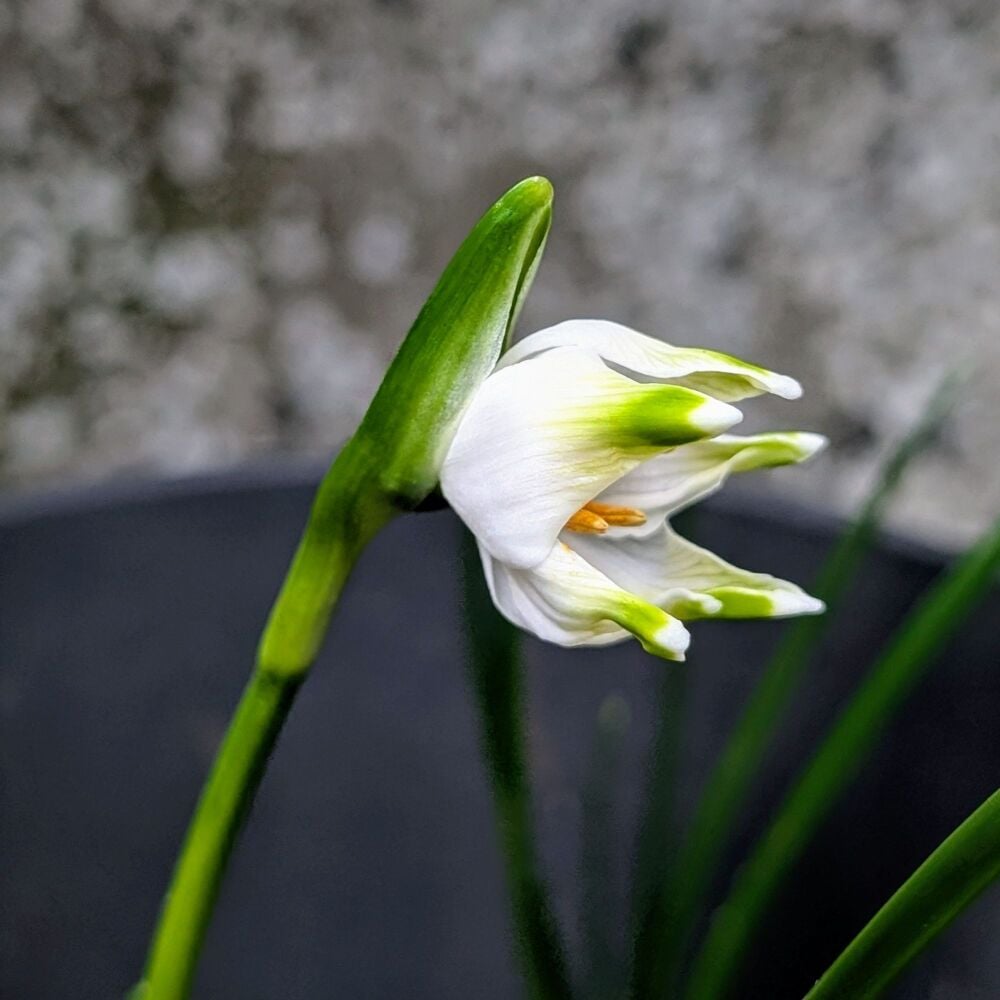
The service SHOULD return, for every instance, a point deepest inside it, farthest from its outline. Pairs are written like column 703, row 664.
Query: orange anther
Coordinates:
column 587, row 523
column 625, row 517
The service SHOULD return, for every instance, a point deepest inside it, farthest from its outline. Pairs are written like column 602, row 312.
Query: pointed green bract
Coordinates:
column 455, row 343
column 394, row 460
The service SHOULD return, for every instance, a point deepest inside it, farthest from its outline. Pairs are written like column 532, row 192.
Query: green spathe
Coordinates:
column 455, row 342
column 394, row 459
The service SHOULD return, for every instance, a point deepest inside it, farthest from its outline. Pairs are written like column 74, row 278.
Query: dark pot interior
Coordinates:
column 370, row 866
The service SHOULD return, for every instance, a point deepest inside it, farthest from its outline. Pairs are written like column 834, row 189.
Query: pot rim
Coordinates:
column 32, row 505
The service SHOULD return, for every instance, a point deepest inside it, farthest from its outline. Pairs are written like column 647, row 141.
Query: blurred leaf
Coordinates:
column 952, row 878
column 600, row 919
column 916, row 644
column 669, row 915
column 657, row 831
column 495, row 668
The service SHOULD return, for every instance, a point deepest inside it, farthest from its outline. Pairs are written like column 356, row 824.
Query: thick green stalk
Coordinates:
column 952, row 878
column 853, row 736
column 341, row 523
column 391, row 464
column 668, row 921
column 495, row 664
column 201, row 865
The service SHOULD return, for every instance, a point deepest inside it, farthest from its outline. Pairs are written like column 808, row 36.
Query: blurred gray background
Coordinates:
column 217, row 219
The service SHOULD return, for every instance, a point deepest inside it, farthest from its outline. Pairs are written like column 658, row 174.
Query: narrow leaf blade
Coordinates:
column 951, row 879
column 600, row 916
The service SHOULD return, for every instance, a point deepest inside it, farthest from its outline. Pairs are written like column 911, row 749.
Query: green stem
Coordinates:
column 497, row 679
column 391, row 464
column 217, row 819
column 344, row 517
column 954, row 876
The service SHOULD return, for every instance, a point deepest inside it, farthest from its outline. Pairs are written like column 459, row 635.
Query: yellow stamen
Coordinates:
column 625, row 517
column 587, row 522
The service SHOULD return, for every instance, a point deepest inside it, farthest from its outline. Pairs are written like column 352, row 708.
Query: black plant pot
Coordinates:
column 370, row 866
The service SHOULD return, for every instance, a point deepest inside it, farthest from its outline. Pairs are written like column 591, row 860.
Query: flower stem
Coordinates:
column 346, row 514
column 600, row 920
column 224, row 803
column 391, row 464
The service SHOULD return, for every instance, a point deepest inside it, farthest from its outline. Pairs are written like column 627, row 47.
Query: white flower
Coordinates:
column 572, row 456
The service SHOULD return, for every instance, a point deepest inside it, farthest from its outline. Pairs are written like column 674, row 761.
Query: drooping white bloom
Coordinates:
column 571, row 458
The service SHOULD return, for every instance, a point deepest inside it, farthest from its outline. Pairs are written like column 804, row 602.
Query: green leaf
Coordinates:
column 656, row 842
column 854, row 735
column 600, row 917
column 669, row 914
column 495, row 667
column 952, row 878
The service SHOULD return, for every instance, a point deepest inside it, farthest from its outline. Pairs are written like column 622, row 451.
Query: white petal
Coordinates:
column 689, row 581
column 719, row 375
column 541, row 439
column 667, row 483
column 566, row 601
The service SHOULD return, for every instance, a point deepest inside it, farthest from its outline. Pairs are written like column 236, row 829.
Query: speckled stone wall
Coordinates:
column 217, row 219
